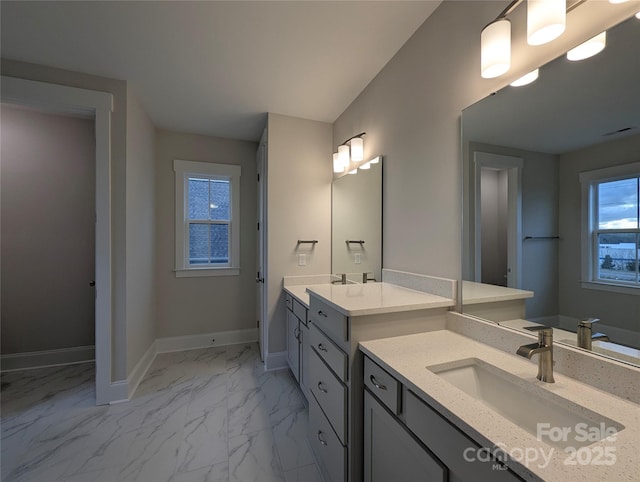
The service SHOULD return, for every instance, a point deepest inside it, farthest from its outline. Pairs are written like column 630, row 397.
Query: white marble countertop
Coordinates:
column 406, row 357
column 473, row 293
column 299, row 292
column 375, row 298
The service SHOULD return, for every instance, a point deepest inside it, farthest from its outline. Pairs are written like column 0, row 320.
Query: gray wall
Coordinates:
column 141, row 221
column 411, row 113
column 118, row 88
column 615, row 309
column 48, row 241
column 299, row 207
column 187, row 306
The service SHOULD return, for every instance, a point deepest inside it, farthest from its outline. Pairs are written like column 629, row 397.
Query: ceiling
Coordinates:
column 213, row 67
column 571, row 105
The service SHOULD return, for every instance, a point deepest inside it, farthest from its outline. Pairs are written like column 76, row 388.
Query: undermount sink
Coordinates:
column 547, row 416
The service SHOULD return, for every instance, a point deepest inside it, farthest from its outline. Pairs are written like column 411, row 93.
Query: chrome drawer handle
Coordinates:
column 321, row 347
column 322, row 441
column 296, row 334
column 323, row 390
column 321, row 313
column 376, row 384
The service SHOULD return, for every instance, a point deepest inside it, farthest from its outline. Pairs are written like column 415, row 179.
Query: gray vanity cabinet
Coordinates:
column 403, row 433
column 391, row 452
column 297, row 330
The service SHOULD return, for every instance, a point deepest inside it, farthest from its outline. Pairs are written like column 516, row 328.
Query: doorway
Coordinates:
column 498, row 219
column 99, row 105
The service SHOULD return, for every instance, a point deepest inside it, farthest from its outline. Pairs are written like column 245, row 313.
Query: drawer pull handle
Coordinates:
column 322, row 441
column 321, row 313
column 376, row 384
column 296, row 334
column 323, row 390
column 321, row 347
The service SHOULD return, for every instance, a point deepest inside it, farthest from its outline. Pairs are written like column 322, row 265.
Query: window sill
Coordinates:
column 205, row 272
column 598, row 285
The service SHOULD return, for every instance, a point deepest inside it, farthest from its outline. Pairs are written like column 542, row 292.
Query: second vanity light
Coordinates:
column 351, row 150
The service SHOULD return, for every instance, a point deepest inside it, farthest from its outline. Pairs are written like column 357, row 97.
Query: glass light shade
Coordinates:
column 525, row 79
column 337, row 165
column 638, row 15
column 357, row 149
column 375, row 160
column 588, row 49
column 546, row 20
column 495, row 49
column 355, row 171
column 343, row 155
column 366, row 165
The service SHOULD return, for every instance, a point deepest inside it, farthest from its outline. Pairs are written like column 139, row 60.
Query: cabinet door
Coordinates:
column 391, row 453
column 293, row 344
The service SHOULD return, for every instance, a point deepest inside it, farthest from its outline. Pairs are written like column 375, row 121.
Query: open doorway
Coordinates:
column 498, row 219
column 97, row 105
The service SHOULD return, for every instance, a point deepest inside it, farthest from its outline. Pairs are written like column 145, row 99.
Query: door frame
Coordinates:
column 64, row 99
column 513, row 166
column 262, row 161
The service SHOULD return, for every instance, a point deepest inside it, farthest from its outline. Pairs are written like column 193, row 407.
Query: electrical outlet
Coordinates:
column 357, row 259
column 302, row 260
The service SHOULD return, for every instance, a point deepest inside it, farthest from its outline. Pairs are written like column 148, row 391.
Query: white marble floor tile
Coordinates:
column 308, row 473
column 206, row 415
column 254, row 458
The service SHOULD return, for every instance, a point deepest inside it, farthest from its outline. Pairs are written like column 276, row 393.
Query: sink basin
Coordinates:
column 547, row 416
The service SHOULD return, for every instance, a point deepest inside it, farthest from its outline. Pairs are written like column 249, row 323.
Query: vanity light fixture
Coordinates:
column 526, row 79
column 337, row 164
column 546, row 21
column 357, row 149
column 589, row 48
column 343, row 155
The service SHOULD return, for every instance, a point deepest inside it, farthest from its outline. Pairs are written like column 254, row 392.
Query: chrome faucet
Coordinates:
column 544, row 348
column 586, row 335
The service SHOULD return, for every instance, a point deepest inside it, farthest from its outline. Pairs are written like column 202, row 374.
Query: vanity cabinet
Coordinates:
column 335, row 380
column 402, row 432
column 297, row 331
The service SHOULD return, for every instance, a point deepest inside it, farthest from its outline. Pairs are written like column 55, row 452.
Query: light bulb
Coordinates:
column 495, row 49
column 546, row 20
column 589, row 48
column 525, row 79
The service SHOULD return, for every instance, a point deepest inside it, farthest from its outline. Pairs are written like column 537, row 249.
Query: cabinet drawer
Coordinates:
column 288, row 301
column 330, row 453
column 330, row 393
column 449, row 444
column 333, row 323
column 382, row 385
column 329, row 352
column 301, row 311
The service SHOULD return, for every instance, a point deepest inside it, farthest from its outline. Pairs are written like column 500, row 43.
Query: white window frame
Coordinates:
column 589, row 182
column 183, row 171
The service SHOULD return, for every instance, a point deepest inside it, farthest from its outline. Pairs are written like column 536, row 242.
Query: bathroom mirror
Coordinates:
column 356, row 224
column 526, row 259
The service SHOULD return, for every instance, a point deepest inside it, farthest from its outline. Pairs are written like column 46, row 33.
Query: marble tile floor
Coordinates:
column 201, row 415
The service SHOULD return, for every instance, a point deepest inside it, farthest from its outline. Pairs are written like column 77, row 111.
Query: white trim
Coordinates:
column 47, row 358
column 616, row 288
column 182, row 170
column 204, row 340
column 118, row 391
column 100, row 104
column 206, row 272
column 276, row 361
column 141, row 369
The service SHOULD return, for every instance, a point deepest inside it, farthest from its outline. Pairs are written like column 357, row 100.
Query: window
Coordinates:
column 207, row 218
column 611, row 227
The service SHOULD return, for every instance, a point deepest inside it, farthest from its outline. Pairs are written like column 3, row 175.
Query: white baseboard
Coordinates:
column 206, row 340
column 140, row 370
column 47, row 358
column 276, row 361
column 119, row 392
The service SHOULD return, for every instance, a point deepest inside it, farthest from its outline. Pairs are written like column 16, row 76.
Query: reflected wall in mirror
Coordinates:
column 356, row 224
column 551, row 199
